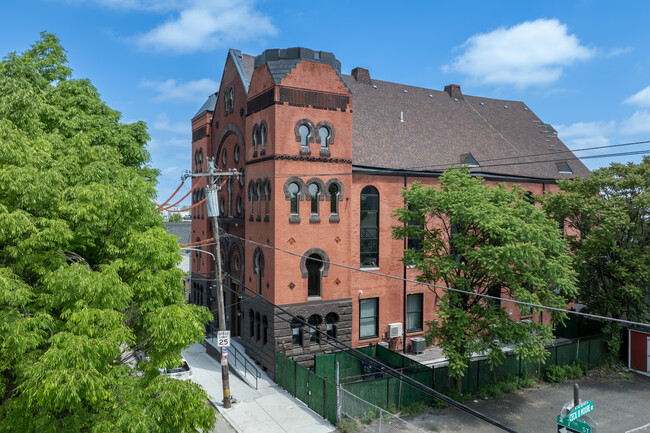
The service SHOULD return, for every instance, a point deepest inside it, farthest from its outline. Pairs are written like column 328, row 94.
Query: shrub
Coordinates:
column 347, row 425
column 554, row 374
column 368, row 416
column 415, row 407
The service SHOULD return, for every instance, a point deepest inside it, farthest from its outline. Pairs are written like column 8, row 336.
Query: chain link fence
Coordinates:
column 361, row 416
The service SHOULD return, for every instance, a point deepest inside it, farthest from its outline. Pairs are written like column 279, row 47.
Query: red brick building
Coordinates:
column 324, row 157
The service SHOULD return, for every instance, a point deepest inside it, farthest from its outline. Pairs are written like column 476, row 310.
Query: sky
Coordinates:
column 582, row 66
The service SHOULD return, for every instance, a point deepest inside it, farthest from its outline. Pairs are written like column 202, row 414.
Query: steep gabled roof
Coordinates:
column 244, row 63
column 208, row 105
column 404, row 127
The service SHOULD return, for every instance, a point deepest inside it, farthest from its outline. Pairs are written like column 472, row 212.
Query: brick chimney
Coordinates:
column 454, row 91
column 361, row 75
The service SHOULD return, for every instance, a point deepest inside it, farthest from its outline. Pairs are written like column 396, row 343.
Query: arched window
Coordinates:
column 198, row 256
column 258, row 268
column 369, row 227
column 267, row 196
column 236, row 154
column 294, row 193
column 251, row 322
column 263, row 139
column 303, row 130
column 314, row 266
column 240, row 207
column 330, row 324
column 314, row 323
column 324, row 138
column 296, row 331
column 314, row 193
column 251, row 197
column 529, row 197
column 224, row 158
column 259, row 201
column 257, row 325
column 334, row 199
column 265, row 330
column 256, row 139
column 231, row 187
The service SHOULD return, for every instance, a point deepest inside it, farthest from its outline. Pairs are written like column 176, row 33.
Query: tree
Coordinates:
column 607, row 219
column 175, row 218
column 480, row 239
column 88, row 275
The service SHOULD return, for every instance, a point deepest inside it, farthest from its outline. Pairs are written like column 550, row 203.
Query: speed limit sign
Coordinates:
column 223, row 338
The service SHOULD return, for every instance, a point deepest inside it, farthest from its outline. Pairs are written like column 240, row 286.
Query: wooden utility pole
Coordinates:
column 212, row 204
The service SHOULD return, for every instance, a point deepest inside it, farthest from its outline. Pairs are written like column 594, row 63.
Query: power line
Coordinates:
column 375, row 363
column 435, row 286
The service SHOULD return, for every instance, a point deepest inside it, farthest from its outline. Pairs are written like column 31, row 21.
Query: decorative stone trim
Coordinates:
column 329, row 126
column 309, row 125
column 305, row 256
column 340, row 185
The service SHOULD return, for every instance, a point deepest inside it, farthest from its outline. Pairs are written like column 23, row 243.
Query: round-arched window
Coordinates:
column 303, row 130
column 224, row 157
column 236, row 153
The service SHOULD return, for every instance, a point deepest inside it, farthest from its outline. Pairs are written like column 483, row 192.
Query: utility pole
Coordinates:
column 212, row 204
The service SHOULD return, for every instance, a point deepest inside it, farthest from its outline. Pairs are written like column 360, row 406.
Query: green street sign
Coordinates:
column 576, row 424
column 580, row 410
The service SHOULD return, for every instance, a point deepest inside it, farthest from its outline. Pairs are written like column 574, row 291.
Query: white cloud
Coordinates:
column 145, row 5
column 190, row 91
column 637, row 124
column 530, row 53
column 203, row 25
column 164, row 124
column 641, row 98
column 582, row 129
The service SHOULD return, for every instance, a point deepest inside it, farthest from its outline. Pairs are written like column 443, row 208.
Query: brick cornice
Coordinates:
column 300, row 158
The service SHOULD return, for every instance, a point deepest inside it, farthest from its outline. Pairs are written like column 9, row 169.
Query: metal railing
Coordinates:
column 237, row 357
column 249, row 367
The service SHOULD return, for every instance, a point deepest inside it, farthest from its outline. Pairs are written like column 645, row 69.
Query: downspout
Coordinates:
column 404, row 287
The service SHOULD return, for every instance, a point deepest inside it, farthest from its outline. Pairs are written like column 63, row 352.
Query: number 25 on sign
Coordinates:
column 223, row 338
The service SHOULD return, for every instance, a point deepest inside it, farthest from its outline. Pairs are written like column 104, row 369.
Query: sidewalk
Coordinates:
column 268, row 409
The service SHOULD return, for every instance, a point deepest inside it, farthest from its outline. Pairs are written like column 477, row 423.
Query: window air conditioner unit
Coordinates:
column 394, row 330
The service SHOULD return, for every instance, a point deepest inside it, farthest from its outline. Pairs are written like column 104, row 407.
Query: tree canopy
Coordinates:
column 88, row 275
column 481, row 239
column 607, row 219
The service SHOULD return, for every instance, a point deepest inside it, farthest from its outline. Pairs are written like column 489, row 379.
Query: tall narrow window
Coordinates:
column 258, row 263
column 334, row 199
column 259, row 201
column 251, row 323
column 294, row 190
column 369, row 227
column 236, row 154
column 314, row 193
column 265, row 330
column 314, row 323
column 231, row 188
column 414, row 312
column 240, row 207
column 324, row 138
column 263, row 139
column 296, row 331
column 255, row 139
column 314, row 266
column 267, row 196
column 251, row 197
column 414, row 242
column 257, row 326
column 368, row 318
column 304, row 137
column 330, row 323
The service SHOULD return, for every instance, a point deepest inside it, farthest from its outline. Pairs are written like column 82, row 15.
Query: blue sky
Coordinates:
column 582, row 66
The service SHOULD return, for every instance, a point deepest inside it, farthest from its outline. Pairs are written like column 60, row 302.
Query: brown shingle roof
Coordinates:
column 438, row 131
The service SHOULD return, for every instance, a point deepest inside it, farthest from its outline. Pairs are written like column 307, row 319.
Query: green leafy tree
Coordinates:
column 175, row 218
column 88, row 275
column 607, row 219
column 482, row 239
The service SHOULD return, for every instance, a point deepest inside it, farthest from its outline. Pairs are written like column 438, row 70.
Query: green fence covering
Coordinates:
column 318, row 389
column 330, row 397
column 290, row 376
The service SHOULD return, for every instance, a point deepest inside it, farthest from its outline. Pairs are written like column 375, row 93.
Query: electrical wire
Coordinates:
column 172, row 196
column 261, row 300
column 435, row 286
column 201, row 180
